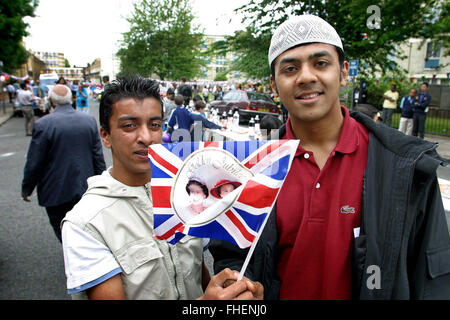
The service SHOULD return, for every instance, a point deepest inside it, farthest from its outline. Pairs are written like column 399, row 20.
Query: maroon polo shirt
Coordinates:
column 317, row 211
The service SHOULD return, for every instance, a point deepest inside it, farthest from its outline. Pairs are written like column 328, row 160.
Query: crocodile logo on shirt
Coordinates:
column 347, row 209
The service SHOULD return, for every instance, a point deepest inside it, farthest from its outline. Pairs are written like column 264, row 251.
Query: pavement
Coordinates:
column 7, row 113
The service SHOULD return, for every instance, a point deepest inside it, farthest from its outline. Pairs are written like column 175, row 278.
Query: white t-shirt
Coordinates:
column 92, row 262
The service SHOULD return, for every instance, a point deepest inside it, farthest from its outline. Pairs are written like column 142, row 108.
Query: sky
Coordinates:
column 86, row 29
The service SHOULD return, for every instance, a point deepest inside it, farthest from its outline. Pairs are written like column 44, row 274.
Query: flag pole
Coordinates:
column 253, row 246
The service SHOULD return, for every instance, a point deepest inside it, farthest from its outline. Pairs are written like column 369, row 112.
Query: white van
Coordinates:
column 48, row 80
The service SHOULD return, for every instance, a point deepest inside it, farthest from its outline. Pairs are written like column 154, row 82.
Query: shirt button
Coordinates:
column 317, row 185
column 306, row 155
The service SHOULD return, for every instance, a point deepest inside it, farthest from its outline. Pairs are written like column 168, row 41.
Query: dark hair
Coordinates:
column 425, row 83
column 201, row 185
column 269, row 122
column 199, row 104
column 340, row 52
column 23, row 85
column 126, row 87
column 61, row 78
column 367, row 109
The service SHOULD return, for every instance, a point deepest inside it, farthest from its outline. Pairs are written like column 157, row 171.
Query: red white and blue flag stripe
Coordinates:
column 269, row 161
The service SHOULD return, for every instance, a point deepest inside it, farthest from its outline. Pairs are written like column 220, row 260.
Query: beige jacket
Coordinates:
column 121, row 217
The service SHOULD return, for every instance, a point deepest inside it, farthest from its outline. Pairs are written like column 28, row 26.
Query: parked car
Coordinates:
column 248, row 103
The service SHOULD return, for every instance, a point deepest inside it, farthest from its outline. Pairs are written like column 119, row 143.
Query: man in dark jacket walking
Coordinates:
column 367, row 221
column 64, row 151
column 186, row 91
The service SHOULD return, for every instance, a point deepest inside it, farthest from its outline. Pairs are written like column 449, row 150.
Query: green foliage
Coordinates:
column 162, row 40
column 12, row 30
column 400, row 20
column 440, row 28
column 377, row 87
column 221, row 76
column 250, row 50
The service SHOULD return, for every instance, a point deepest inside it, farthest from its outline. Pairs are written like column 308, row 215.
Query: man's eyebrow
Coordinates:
column 320, row 54
column 315, row 55
column 126, row 118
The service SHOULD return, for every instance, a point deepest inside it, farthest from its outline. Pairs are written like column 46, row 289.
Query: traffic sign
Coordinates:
column 353, row 68
column 353, row 72
column 353, row 63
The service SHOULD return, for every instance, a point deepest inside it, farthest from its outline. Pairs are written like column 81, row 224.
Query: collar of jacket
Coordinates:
column 63, row 107
column 423, row 152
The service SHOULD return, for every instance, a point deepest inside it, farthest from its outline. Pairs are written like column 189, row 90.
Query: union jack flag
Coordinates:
column 260, row 166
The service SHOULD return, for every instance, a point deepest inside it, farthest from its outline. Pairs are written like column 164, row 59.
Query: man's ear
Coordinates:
column 105, row 138
column 274, row 86
column 344, row 73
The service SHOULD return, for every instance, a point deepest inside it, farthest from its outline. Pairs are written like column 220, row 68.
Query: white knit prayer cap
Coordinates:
column 302, row 29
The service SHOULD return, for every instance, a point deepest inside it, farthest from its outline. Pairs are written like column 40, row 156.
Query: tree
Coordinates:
column 66, row 63
column 398, row 20
column 162, row 41
column 12, row 30
column 249, row 49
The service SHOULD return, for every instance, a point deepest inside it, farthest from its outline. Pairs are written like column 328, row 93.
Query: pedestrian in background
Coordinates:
column 180, row 122
column 186, row 91
column 407, row 105
column 11, row 92
column 420, row 111
column 82, row 99
column 169, row 105
column 25, row 99
column 269, row 124
column 200, row 123
column 368, row 110
column 390, row 104
column 64, row 151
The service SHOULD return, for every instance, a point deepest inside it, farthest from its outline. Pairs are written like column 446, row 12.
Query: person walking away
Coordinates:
column 25, row 98
column 420, row 111
column 64, row 151
column 169, row 105
column 109, row 248
column 406, row 105
column 82, row 99
column 368, row 220
column 390, row 104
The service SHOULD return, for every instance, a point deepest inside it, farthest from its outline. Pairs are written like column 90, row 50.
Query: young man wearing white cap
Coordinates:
column 360, row 213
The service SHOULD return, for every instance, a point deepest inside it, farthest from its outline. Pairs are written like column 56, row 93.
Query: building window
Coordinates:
column 433, row 54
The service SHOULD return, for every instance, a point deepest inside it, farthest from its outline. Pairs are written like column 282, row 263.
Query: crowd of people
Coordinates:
column 358, row 194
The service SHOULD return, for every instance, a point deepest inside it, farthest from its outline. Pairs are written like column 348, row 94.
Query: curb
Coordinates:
column 5, row 118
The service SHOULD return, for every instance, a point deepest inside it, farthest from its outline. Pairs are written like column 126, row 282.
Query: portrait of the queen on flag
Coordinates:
column 220, row 189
